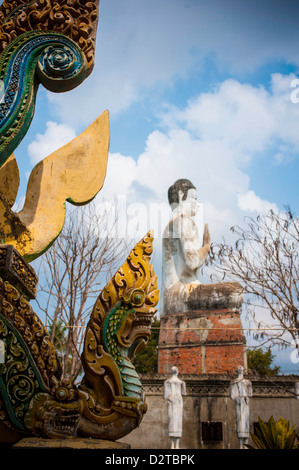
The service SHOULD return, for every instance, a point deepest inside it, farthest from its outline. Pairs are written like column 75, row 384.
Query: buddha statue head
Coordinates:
column 182, row 197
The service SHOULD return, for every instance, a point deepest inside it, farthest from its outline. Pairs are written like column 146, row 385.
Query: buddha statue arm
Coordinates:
column 206, row 245
column 194, row 254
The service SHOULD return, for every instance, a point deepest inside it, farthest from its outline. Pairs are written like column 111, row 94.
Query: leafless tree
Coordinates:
column 265, row 261
column 72, row 273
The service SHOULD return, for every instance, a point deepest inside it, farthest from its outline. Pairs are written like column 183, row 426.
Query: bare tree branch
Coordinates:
column 264, row 260
column 81, row 259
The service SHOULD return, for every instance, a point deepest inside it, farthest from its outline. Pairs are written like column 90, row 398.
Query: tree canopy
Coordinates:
column 146, row 362
column 261, row 362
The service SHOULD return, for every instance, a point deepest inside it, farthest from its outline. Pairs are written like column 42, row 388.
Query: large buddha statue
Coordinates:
column 183, row 251
column 201, row 329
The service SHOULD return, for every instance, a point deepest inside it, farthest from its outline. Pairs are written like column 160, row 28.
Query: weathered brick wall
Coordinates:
column 202, row 341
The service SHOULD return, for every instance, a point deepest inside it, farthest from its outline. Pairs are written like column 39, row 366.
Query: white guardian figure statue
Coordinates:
column 240, row 393
column 174, row 389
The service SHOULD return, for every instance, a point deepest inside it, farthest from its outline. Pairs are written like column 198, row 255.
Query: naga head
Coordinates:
column 118, row 327
column 135, row 329
column 120, row 323
column 129, row 300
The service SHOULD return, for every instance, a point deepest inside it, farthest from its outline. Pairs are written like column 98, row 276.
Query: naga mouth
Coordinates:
column 141, row 325
column 143, row 321
column 140, row 332
column 137, row 328
column 60, row 425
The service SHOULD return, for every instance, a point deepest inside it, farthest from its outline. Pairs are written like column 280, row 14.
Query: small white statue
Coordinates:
column 183, row 252
column 174, row 388
column 240, row 393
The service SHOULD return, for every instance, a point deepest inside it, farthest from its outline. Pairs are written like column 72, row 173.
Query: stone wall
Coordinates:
column 207, row 341
column 209, row 412
column 207, row 335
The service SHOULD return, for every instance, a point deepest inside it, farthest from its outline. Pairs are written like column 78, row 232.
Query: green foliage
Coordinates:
column 146, row 362
column 261, row 361
column 274, row 435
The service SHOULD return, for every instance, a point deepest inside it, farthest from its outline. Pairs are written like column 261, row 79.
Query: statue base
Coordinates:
column 208, row 336
column 71, row 443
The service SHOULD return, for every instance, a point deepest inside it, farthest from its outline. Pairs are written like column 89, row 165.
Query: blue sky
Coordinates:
column 160, row 65
column 195, row 89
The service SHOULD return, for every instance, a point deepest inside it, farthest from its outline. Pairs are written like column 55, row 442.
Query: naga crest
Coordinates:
column 109, row 401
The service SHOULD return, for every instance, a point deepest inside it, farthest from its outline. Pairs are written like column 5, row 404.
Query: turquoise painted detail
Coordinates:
column 30, row 59
column 131, row 384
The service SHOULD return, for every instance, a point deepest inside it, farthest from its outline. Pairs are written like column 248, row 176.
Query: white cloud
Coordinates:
column 253, row 203
column 168, row 157
column 144, row 47
column 138, row 48
column 54, row 137
column 248, row 119
column 285, row 112
column 121, row 171
column 234, row 113
column 212, row 142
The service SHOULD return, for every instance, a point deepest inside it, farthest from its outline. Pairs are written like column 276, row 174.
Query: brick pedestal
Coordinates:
column 208, row 339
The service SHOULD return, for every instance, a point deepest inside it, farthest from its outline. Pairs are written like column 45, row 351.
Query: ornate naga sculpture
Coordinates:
column 109, row 401
column 52, row 42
